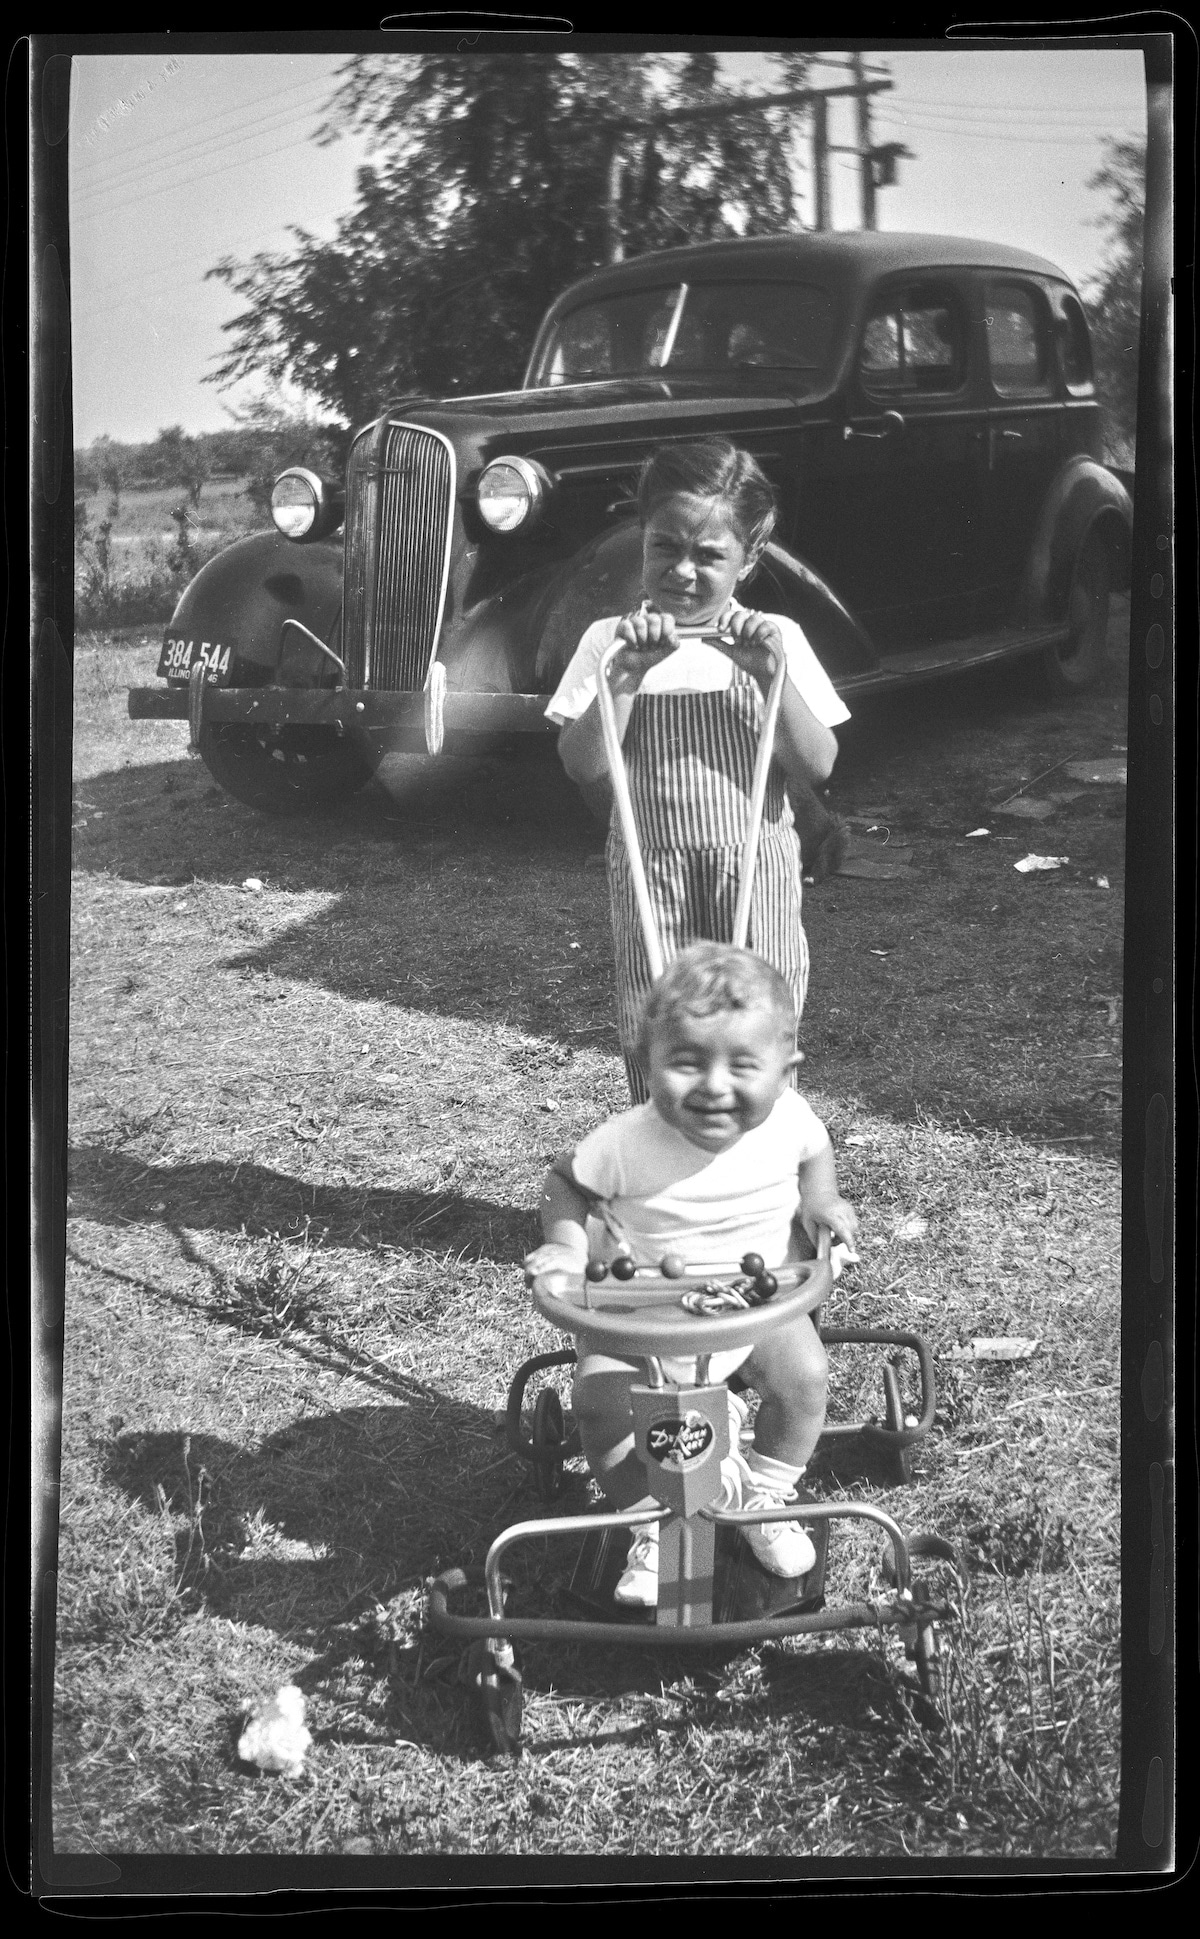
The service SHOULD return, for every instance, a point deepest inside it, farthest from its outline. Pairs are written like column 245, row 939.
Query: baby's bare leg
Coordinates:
column 604, row 1412
column 791, row 1374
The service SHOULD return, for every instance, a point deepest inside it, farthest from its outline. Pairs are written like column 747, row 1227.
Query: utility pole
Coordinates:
column 865, row 152
column 820, row 162
column 616, row 176
column 720, row 111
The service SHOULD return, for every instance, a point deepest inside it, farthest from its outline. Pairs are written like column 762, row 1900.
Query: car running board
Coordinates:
column 902, row 669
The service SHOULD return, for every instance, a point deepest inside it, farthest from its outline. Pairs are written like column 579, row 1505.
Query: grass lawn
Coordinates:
column 308, row 1125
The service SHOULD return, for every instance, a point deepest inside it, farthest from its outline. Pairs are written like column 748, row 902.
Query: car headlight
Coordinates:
column 303, row 506
column 511, row 493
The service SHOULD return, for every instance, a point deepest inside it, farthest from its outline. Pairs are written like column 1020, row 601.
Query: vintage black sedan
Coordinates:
column 925, row 406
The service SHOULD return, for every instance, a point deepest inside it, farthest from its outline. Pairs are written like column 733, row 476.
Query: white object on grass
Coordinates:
column 1009, row 1349
column 275, row 1738
column 1105, row 770
column 972, row 833
column 253, row 884
column 913, row 1227
column 1030, row 862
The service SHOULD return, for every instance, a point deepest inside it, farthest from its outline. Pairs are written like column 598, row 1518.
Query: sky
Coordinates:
column 178, row 160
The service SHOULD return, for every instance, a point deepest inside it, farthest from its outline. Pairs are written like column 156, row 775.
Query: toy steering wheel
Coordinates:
column 662, row 1327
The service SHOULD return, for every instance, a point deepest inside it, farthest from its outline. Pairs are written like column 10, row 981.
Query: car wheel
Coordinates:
column 286, row 770
column 1078, row 661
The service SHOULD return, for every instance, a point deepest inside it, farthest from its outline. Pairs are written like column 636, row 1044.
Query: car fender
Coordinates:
column 243, row 597
column 605, row 577
column 1084, row 497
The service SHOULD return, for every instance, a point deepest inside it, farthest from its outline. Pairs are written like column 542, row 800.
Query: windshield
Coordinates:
column 706, row 327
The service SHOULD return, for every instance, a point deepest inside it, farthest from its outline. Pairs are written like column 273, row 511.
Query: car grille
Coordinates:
column 399, row 508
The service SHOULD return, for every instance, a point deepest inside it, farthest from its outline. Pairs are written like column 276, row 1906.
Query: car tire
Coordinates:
column 1077, row 663
column 287, row 770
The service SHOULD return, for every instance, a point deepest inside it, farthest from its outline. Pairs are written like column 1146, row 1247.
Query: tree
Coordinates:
column 111, row 464
column 175, row 458
column 270, row 438
column 488, row 191
column 197, row 465
column 167, row 455
column 1114, row 299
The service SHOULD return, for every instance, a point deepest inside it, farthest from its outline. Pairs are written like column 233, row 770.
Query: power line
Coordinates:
column 1024, row 111
column 962, row 131
column 190, row 155
column 209, row 175
column 130, row 151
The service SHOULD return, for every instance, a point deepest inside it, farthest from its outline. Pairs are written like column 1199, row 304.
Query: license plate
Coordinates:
column 179, row 656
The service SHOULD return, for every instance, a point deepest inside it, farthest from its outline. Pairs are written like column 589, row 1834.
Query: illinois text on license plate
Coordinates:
column 179, row 656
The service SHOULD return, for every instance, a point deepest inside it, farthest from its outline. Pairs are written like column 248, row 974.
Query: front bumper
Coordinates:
column 400, row 715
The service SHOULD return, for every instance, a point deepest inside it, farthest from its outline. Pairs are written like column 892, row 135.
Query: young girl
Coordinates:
column 688, row 715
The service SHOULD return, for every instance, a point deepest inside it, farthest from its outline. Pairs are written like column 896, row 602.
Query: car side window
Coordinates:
column 1017, row 340
column 1076, row 349
column 914, row 341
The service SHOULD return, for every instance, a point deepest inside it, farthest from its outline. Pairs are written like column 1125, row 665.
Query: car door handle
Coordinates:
column 890, row 423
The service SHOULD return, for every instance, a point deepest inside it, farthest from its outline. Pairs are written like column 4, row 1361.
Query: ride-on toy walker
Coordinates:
column 711, row 1590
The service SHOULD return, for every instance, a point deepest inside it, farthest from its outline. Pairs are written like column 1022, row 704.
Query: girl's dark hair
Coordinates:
column 711, row 468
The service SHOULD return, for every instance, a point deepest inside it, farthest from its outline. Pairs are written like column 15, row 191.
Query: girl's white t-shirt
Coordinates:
column 695, row 668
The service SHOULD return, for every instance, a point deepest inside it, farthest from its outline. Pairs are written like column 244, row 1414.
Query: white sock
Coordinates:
column 735, row 1480
column 779, row 1477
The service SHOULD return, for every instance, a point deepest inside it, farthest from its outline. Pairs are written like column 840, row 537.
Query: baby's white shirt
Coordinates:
column 663, row 1194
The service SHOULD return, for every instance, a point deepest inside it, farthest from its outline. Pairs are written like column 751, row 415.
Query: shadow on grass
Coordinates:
column 458, row 894
column 168, row 822
column 322, row 1528
column 464, row 893
column 293, row 1531
column 230, row 1197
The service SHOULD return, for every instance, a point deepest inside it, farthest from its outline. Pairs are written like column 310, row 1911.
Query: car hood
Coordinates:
column 573, row 414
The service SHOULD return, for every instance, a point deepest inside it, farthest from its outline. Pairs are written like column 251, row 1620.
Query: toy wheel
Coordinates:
column 499, row 1699
column 287, row 770
column 1076, row 664
column 549, row 1433
column 933, row 1548
column 929, row 1667
column 893, row 1402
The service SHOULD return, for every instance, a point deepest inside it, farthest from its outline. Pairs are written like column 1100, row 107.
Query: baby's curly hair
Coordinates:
column 712, row 468
column 708, row 978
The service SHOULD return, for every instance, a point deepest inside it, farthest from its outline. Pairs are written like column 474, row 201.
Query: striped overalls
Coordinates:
column 690, row 762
